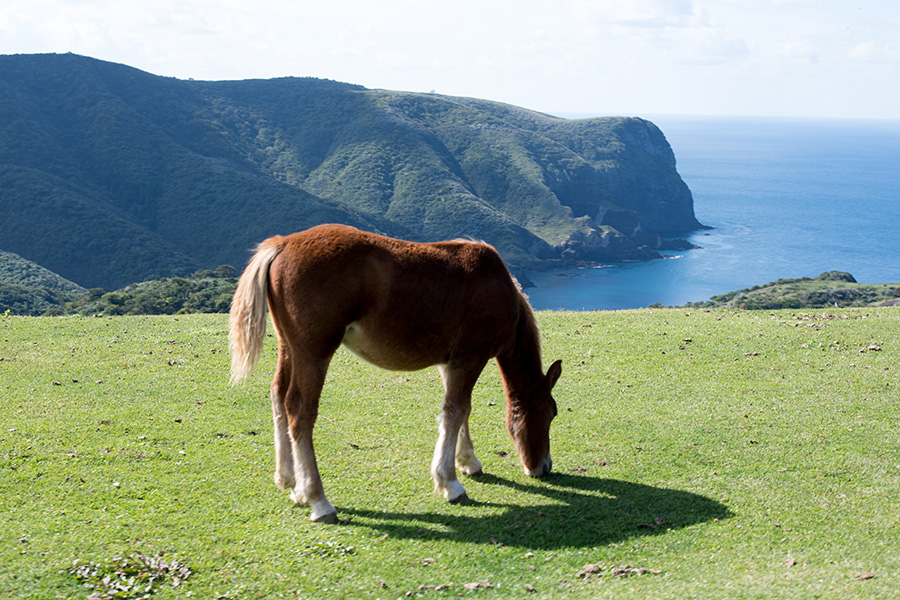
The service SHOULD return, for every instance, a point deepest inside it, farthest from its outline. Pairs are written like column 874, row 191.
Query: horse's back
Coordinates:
column 402, row 305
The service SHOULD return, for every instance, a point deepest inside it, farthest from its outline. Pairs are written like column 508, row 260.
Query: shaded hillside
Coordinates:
column 110, row 175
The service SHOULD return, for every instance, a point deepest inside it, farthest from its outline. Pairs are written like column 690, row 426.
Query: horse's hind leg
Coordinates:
column 284, row 455
column 466, row 461
column 458, row 384
column 302, row 408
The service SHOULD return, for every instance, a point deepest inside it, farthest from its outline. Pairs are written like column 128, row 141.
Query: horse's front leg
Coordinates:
column 443, row 468
column 452, row 428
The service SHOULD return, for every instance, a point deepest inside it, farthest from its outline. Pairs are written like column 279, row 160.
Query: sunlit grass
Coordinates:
column 738, row 454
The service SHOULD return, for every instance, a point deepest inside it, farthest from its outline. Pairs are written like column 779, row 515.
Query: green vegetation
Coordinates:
column 697, row 454
column 207, row 291
column 109, row 175
column 16, row 270
column 830, row 289
column 25, row 300
column 29, row 289
column 210, row 291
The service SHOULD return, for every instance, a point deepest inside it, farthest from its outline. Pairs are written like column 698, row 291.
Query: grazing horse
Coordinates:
column 402, row 306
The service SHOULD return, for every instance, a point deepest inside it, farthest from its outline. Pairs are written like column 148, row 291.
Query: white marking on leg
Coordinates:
column 455, row 492
column 443, row 468
column 284, row 456
column 308, row 487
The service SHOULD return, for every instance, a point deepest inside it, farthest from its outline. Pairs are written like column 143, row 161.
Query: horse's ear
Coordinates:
column 553, row 373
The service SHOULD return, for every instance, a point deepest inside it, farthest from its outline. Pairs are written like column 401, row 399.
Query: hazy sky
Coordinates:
column 816, row 58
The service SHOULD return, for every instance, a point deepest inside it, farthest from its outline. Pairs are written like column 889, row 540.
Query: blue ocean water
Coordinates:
column 785, row 198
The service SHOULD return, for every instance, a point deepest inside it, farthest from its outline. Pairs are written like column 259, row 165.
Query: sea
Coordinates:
column 785, row 198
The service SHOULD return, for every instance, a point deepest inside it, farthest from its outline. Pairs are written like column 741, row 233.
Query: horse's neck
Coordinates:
column 520, row 366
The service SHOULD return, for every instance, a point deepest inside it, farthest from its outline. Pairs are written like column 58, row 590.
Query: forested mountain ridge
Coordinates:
column 110, row 175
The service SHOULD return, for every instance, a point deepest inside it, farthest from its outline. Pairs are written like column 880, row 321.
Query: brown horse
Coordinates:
column 402, row 306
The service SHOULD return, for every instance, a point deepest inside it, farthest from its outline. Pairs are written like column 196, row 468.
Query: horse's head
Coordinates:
column 529, row 422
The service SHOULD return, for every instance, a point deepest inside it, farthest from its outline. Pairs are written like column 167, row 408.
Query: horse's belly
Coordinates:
column 385, row 352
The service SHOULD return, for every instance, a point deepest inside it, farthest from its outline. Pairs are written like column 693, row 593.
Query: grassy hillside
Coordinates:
column 830, row 289
column 132, row 176
column 16, row 270
column 697, row 454
column 129, row 176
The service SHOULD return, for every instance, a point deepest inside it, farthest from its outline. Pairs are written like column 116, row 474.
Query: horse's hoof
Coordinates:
column 327, row 518
column 461, row 499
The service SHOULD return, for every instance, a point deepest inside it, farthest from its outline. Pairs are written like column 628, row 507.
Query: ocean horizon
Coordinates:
column 785, row 198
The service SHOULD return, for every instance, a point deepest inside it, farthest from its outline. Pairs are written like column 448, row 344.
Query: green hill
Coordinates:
column 830, row 289
column 110, row 175
column 16, row 270
column 29, row 289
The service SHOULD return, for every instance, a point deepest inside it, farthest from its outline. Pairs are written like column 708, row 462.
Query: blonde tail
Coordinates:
column 247, row 321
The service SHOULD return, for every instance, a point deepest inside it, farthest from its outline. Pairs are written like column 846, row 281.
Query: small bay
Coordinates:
column 785, row 198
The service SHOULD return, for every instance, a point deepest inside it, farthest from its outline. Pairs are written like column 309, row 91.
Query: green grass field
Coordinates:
column 697, row 454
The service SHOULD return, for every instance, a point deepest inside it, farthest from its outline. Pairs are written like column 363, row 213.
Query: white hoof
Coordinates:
column 323, row 512
column 455, row 492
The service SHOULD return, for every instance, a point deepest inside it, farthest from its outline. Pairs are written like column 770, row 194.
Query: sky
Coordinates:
column 786, row 58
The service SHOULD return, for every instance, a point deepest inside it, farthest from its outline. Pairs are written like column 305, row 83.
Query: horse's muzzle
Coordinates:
column 542, row 469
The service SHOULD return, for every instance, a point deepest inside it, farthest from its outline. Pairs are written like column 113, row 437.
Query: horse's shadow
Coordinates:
column 582, row 512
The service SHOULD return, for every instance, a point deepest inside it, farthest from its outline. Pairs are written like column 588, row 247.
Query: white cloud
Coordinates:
column 647, row 13
column 863, row 51
column 803, row 51
column 650, row 56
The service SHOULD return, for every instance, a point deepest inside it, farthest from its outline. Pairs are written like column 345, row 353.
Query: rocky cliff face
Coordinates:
column 627, row 193
column 593, row 190
column 628, row 183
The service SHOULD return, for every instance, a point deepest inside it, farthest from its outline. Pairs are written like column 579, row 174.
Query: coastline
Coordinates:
column 784, row 198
